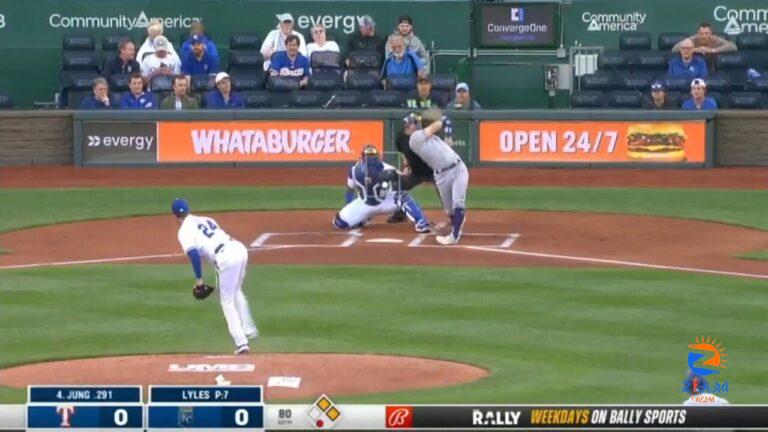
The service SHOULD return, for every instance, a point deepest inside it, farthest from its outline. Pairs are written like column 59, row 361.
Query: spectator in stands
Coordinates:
column 154, row 29
column 366, row 39
column 179, row 100
column 160, row 62
column 412, row 43
column 222, row 97
column 658, row 99
column 277, row 39
column 707, row 44
column 100, row 98
column 422, row 99
column 137, row 98
column 320, row 42
column 291, row 63
column 463, row 100
column 401, row 61
column 125, row 63
column 198, row 28
column 699, row 101
column 687, row 65
column 199, row 61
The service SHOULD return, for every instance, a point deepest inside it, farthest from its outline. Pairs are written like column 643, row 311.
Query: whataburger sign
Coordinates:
column 267, row 141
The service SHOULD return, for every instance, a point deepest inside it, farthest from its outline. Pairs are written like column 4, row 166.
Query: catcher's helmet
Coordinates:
column 180, row 207
column 370, row 151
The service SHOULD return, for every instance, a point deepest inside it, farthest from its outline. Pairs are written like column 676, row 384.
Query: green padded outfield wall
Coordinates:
column 31, row 30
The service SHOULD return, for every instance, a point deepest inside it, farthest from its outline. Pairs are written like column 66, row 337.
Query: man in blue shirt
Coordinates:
column 687, row 65
column 137, row 98
column 100, row 98
column 291, row 62
column 401, row 61
column 222, row 97
column 699, row 101
column 198, row 61
column 197, row 28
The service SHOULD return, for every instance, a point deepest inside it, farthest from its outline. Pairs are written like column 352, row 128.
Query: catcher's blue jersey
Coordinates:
column 365, row 178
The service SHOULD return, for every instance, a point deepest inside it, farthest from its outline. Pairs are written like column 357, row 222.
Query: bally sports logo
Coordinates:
column 399, row 417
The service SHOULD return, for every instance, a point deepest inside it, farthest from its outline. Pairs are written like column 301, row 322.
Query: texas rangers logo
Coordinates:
column 66, row 412
column 710, row 347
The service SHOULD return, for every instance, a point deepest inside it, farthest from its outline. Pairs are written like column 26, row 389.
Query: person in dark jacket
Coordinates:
column 366, row 38
column 100, row 98
column 659, row 99
column 222, row 97
column 125, row 63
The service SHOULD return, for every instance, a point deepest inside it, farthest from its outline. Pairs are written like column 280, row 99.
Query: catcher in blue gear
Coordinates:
column 371, row 191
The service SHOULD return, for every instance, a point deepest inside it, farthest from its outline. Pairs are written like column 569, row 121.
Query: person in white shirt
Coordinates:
column 320, row 42
column 154, row 29
column 275, row 40
column 160, row 62
column 202, row 237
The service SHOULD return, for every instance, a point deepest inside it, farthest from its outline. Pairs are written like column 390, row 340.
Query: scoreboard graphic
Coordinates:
column 233, row 407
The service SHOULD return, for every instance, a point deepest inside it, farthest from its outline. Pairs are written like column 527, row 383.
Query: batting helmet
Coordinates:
column 180, row 207
column 412, row 119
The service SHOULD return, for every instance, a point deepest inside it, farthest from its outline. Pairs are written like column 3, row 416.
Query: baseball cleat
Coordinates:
column 242, row 350
column 423, row 228
column 397, row 217
column 447, row 240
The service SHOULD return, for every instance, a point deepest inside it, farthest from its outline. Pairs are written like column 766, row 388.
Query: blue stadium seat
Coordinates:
column 201, row 83
column 308, row 99
column 624, row 60
column 625, row 99
column 161, row 83
column 279, row 84
column 362, row 80
column 257, row 99
column 78, row 42
column 111, row 42
column 247, row 82
column 668, row 40
column 401, row 82
column 652, row 60
column 752, row 42
column 244, row 41
column 119, row 83
column 347, row 99
column 744, row 100
column 325, row 60
column 326, row 80
column 600, row 80
column 79, row 60
column 639, row 82
column 385, row 98
column 677, row 84
column 245, row 60
column 5, row 100
column 365, row 59
column 638, row 41
column 587, row 99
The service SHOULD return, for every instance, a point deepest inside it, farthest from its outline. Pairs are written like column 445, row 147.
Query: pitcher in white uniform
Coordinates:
column 201, row 236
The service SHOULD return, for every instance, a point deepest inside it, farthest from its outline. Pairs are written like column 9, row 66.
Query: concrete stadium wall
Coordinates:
column 741, row 138
column 35, row 138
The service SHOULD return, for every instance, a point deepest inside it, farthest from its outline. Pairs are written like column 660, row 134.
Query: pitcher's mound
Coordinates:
column 334, row 374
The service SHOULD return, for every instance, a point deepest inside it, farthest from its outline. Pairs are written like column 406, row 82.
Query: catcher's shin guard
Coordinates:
column 412, row 209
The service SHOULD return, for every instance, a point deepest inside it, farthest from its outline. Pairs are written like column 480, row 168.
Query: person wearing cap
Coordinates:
column 124, row 63
column 198, row 61
column 276, row 39
column 707, row 44
column 401, row 61
column 366, row 38
column 197, row 28
column 412, row 43
column 421, row 98
column 687, row 65
column 320, row 41
column 463, row 100
column 160, row 62
column 291, row 63
column 179, row 100
column 154, row 29
column 137, row 98
column 699, row 101
column 659, row 99
column 222, row 97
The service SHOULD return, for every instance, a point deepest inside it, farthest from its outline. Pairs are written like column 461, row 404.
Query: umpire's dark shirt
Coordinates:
column 418, row 166
column 117, row 67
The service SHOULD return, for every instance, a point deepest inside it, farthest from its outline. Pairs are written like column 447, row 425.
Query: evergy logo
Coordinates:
column 742, row 20
column 140, row 143
column 347, row 23
column 121, row 21
column 612, row 22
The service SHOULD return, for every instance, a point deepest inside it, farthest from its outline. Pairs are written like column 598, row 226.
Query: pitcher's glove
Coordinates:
column 202, row 291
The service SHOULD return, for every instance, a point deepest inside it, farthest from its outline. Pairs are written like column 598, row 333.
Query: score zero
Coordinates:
column 537, row 141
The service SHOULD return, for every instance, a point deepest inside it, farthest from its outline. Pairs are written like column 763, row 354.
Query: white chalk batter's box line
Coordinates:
column 348, row 238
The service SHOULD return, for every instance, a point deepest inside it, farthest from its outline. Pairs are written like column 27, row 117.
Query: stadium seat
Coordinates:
column 365, row 59
column 600, row 80
column 718, row 97
column 79, row 60
column 325, row 60
column 668, row 40
column 108, row 57
column 752, row 42
column 280, row 100
column 161, row 83
column 244, row 41
column 639, row 82
column 245, row 60
column 587, row 99
column 759, row 85
column 385, row 98
column 73, row 82
column 325, row 80
column 625, row 99
column 5, row 101
column 401, row 82
column 201, row 83
column 616, row 60
column 114, row 98
column 362, row 80
column 718, row 82
column 744, row 100
column 443, row 82
column 278, row 84
column 75, row 98
column 442, row 97
column 676, row 98
column 308, row 99
column 638, row 41
column 247, row 82
column 257, row 99
column 652, row 61
column 735, row 65
column 347, row 99
column 78, row 42
column 111, row 42
column 677, row 84
column 119, row 82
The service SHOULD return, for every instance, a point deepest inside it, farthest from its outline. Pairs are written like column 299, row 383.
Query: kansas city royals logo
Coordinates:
column 186, row 416
column 66, row 412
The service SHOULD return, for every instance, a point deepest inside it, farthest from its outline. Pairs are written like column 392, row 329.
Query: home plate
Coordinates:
column 383, row 240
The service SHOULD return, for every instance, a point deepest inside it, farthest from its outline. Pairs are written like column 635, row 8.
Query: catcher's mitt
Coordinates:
column 202, row 291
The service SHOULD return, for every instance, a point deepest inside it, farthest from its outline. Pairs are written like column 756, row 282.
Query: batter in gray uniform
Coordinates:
column 451, row 175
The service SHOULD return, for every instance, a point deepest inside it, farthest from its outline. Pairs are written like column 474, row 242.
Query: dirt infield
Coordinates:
column 492, row 238
column 67, row 176
column 336, row 374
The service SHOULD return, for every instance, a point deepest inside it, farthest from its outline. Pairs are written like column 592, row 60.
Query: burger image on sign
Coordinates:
column 656, row 141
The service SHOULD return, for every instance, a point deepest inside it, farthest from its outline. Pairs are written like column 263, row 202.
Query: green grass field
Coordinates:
column 547, row 335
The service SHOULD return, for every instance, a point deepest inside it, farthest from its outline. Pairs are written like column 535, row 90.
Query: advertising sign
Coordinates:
column 518, row 24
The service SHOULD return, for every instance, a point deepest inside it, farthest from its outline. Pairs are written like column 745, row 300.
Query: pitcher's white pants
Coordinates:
column 231, row 263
